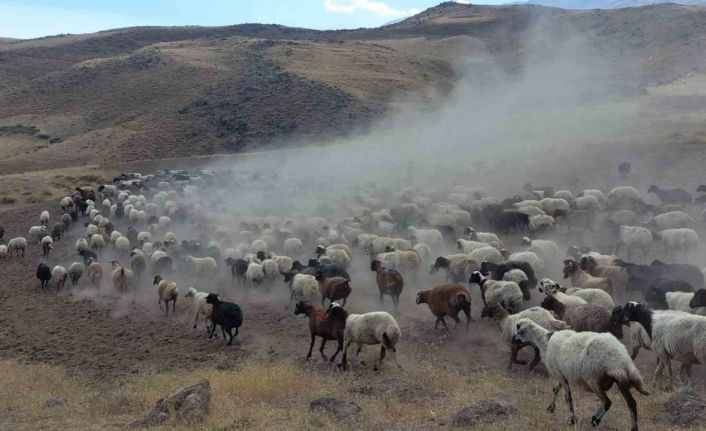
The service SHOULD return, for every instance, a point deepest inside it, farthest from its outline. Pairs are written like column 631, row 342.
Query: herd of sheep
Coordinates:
column 611, row 250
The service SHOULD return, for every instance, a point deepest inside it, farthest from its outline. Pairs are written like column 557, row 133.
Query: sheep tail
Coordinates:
column 629, row 376
column 463, row 299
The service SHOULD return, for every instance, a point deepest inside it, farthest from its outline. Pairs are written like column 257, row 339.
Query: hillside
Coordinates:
column 154, row 92
column 609, row 4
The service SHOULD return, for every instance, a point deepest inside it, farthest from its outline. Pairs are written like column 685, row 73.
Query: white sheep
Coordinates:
column 539, row 222
column 81, row 245
column 200, row 306
column 91, row 230
column 339, row 256
column 487, row 254
column 551, row 205
column 595, row 193
column 66, row 204
column 423, row 251
column 114, row 235
column 254, row 275
column 97, row 242
column 36, row 233
column 166, row 291
column 258, row 245
column 672, row 220
column 506, row 293
column 550, row 288
column 202, row 265
column 378, row 327
column 144, row 237
column 17, row 245
column 3, row 251
column 44, row 218
column 585, row 359
column 679, row 240
column 122, row 278
column 303, row 286
column 75, row 272
column 293, row 247
column 593, row 296
column 430, row 237
column 402, row 260
column 634, row 237
column 528, row 203
column 623, row 197
column 564, row 194
column 59, row 275
column 515, row 275
column 122, row 244
column 467, row 246
column 47, row 245
column 679, row 301
column 588, row 203
column 545, row 249
column 531, row 211
column 530, row 257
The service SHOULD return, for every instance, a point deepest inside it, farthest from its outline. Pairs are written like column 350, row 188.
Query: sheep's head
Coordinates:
column 320, row 249
column 190, row 293
column 422, row 297
column 524, row 331
column 616, row 322
column 157, row 279
column 548, row 286
column 653, row 189
column 115, row 264
column 302, row 307
column 632, row 311
column 587, row 263
column 375, row 265
column 570, row 267
column 336, row 311
column 212, row 299
column 389, row 249
column 526, row 241
column 288, row 276
column 477, row 278
column 472, row 235
column 699, row 299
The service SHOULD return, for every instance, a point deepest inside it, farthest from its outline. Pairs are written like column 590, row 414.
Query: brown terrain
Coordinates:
column 78, row 109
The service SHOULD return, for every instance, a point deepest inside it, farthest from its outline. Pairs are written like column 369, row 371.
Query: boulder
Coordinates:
column 483, row 412
column 190, row 404
column 339, row 409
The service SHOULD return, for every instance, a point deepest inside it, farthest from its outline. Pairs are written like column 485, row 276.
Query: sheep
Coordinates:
column 540, row 222
column 335, row 288
column 293, row 247
column 202, row 265
column 508, row 323
column 238, row 268
column 487, row 254
column 485, row 237
column 97, row 242
column 624, row 197
column 551, row 288
column 544, row 249
column 36, row 233
column 586, row 317
column 551, row 205
column 673, row 334
column 337, row 255
column 447, row 300
column 66, row 204
column 254, row 274
column 44, row 218
column 618, row 276
column 166, row 291
column 681, row 301
column 322, row 325
column 225, row 314
column 270, row 269
column 44, row 275
column 94, row 271
column 58, row 230
column 458, row 267
column 631, row 237
column 141, row 238
column 3, row 251
column 389, row 281
column 373, row 328
column 525, row 256
column 47, row 245
column 59, row 274
column 17, row 245
column 679, row 240
column 592, row 296
column 658, row 287
column 497, row 272
column 200, row 306
column 301, row 286
column 75, row 272
column 431, row 237
column 467, row 246
column 564, row 194
column 506, row 293
column 138, row 262
column 122, row 278
column 402, row 260
column 587, row 359
column 671, row 220
column 589, row 202
column 122, row 245
column 580, row 278
column 91, row 230
column 671, row 196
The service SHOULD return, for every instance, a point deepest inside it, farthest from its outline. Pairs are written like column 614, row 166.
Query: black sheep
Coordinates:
column 497, row 272
column 225, row 314
column 88, row 255
column 671, row 196
column 328, row 270
column 238, row 267
column 656, row 292
column 44, row 274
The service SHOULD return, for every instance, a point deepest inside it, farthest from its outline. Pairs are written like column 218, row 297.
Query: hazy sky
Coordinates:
column 34, row 18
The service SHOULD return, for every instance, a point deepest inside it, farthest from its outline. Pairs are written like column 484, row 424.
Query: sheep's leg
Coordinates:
column 569, row 402
column 536, row 359
column 658, row 370
column 343, row 365
column 321, row 349
column 230, row 336
column 382, row 356
column 196, row 321
column 311, row 346
column 393, row 353
column 382, row 301
column 174, row 306
column 632, row 405
column 159, row 301
column 213, row 329
column 513, row 356
column 166, row 308
column 444, row 322
column 603, row 409
column 551, row 408
column 338, row 349
column 467, row 312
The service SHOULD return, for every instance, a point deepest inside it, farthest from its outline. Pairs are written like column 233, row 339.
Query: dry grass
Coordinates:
column 274, row 396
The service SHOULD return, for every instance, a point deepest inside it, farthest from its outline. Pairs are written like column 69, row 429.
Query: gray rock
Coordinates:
column 339, row 409
column 173, row 402
column 153, row 419
column 484, row 412
column 193, row 409
column 685, row 407
column 55, row 402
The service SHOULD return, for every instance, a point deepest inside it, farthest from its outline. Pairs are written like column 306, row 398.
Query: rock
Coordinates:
column 406, row 392
column 55, row 402
column 685, row 407
column 482, row 412
column 190, row 403
column 154, row 418
column 337, row 408
column 193, row 409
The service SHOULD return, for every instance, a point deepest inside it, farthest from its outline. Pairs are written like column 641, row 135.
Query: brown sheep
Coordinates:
column 335, row 288
column 166, row 291
column 447, row 300
column 58, row 230
column 389, row 281
column 322, row 325
column 618, row 276
column 132, row 236
column 94, row 271
column 587, row 317
column 580, row 278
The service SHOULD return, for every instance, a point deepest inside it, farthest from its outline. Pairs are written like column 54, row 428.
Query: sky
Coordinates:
column 35, row 18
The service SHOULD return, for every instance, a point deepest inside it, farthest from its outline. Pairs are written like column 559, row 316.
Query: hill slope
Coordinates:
column 154, row 92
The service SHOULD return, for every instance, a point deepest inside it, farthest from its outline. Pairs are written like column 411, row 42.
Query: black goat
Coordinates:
column 225, row 314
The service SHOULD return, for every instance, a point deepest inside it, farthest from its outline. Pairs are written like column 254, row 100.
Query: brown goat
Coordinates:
column 322, row 325
column 580, row 278
column 389, row 281
column 447, row 300
column 334, row 288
